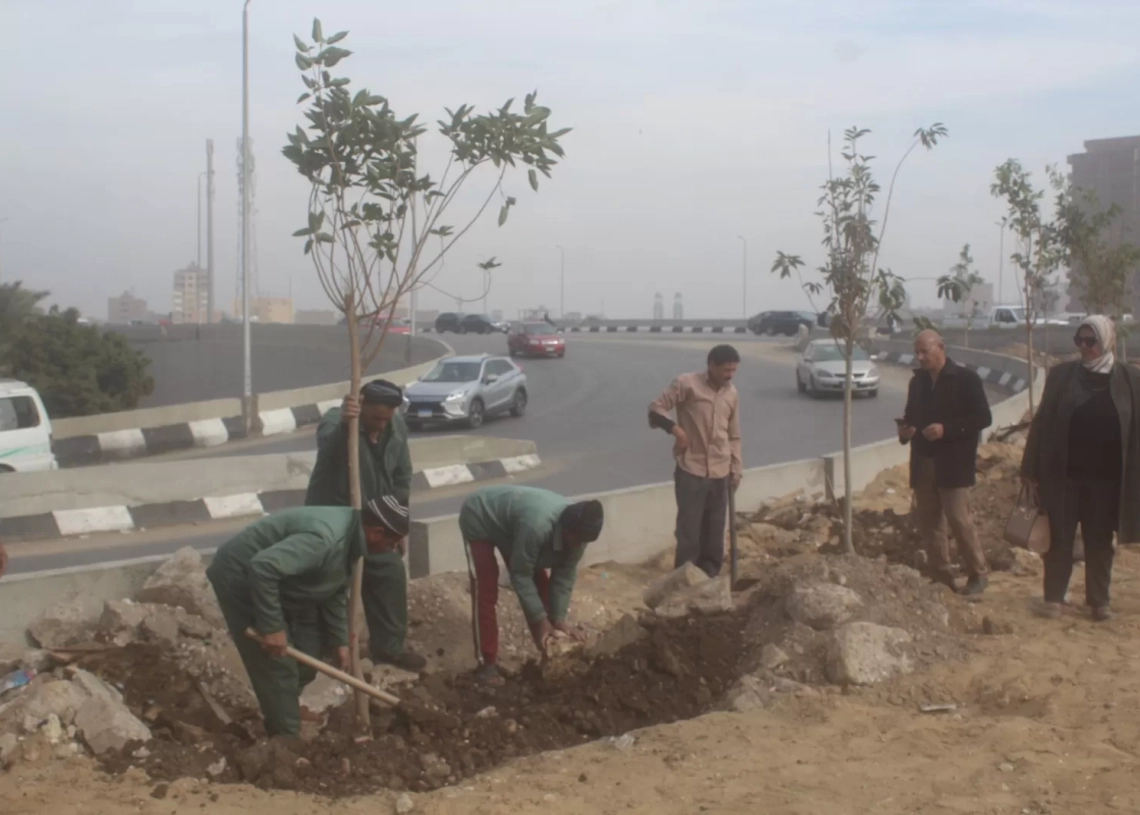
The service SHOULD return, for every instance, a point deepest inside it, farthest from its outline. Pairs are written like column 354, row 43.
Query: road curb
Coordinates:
column 64, row 523
column 644, row 329
column 1002, row 380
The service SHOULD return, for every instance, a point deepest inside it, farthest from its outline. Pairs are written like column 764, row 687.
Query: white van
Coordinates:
column 25, row 430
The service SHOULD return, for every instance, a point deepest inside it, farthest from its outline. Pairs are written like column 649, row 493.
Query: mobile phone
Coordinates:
column 900, row 422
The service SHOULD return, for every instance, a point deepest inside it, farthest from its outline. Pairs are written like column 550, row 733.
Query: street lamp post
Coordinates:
column 744, row 278
column 247, row 376
column 562, row 284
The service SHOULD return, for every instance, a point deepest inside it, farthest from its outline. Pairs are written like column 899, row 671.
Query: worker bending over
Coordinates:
column 541, row 536
column 286, row 576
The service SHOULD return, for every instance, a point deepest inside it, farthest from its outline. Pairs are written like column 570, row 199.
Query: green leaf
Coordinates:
column 332, row 55
column 318, row 34
column 303, row 62
column 337, row 37
column 301, row 44
column 532, row 176
column 300, row 233
column 303, row 97
column 506, row 208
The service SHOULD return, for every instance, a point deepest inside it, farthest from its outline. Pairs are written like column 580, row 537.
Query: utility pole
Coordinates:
column 562, row 284
column 198, row 246
column 209, row 229
column 247, row 376
column 744, row 278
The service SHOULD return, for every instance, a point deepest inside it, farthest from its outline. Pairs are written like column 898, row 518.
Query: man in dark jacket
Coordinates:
column 385, row 469
column 286, row 576
column 946, row 411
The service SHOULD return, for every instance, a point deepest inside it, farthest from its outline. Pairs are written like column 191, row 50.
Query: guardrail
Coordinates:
column 639, row 520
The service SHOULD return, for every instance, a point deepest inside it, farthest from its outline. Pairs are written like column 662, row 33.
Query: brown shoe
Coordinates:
column 1049, row 611
column 1101, row 613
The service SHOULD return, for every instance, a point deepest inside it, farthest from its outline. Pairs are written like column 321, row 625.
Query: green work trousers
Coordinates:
column 277, row 681
column 385, row 595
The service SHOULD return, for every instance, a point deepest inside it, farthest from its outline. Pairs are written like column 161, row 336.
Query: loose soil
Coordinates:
column 461, row 728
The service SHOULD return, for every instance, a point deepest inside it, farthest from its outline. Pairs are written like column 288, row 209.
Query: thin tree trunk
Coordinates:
column 355, row 604
column 1029, row 347
column 848, row 540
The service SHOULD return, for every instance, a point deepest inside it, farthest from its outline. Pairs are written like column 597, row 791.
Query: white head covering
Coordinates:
column 1105, row 331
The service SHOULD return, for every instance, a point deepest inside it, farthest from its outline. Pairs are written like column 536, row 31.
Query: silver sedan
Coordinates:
column 821, row 370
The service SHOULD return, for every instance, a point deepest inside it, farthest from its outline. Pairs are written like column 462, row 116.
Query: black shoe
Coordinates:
column 405, row 661
column 489, row 674
column 975, row 585
column 944, row 579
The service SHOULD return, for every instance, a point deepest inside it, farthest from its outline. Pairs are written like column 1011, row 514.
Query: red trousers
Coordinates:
column 484, row 571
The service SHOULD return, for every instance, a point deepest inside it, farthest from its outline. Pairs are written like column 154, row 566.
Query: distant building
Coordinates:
column 1111, row 169
column 272, row 309
column 316, row 316
column 190, row 302
column 678, row 307
column 528, row 314
column 978, row 303
column 658, row 307
column 126, row 309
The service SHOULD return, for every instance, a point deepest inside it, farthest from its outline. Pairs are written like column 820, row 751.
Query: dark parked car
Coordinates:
column 449, row 321
column 781, row 322
column 477, row 324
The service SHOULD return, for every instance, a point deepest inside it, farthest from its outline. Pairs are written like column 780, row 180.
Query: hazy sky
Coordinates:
column 695, row 122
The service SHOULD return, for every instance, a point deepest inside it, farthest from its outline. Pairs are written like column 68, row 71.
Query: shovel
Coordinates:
column 335, row 673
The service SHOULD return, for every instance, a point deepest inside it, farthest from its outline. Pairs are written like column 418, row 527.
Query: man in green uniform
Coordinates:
column 535, row 530
column 287, row 577
column 385, row 469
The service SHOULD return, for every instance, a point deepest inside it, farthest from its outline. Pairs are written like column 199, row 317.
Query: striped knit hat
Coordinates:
column 392, row 513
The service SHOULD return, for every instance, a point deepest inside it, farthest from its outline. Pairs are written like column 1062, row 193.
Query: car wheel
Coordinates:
column 562, row 355
column 771, row 332
column 800, row 386
column 518, row 407
column 475, row 414
column 812, row 390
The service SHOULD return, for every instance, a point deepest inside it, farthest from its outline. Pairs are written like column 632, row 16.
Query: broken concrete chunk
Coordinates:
column 1025, row 563
column 626, row 632
column 160, row 626
column 865, row 653
column 11, row 658
column 710, row 597
column 56, row 697
column 191, row 625
column 8, row 745
column 108, row 725
column 181, row 581
column 63, row 626
column 93, row 686
column 822, row 606
column 679, row 579
column 772, row 656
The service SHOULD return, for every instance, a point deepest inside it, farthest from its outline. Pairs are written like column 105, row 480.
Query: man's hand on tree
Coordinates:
column 350, row 407
column 344, row 657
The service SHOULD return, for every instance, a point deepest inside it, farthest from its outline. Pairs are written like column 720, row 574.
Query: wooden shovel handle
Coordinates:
column 335, row 673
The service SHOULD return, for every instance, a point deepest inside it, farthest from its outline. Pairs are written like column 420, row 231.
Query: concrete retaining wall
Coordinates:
column 639, row 525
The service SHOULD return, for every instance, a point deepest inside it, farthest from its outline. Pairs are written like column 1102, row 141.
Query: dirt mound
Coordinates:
column 680, row 670
column 883, row 525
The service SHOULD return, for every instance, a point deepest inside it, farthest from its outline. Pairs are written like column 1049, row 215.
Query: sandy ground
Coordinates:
column 1048, row 721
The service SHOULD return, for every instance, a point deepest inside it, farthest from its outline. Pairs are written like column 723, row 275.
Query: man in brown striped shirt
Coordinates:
column 707, row 449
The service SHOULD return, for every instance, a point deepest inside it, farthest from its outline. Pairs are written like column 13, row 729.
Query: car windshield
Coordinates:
column 481, row 318
column 451, row 371
column 537, row 329
column 830, row 352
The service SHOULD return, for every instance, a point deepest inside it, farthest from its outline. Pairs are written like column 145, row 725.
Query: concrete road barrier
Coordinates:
column 142, row 495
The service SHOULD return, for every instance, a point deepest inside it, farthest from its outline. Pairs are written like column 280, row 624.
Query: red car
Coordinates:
column 535, row 340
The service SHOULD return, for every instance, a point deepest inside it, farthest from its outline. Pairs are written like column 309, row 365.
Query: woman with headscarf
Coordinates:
column 1083, row 458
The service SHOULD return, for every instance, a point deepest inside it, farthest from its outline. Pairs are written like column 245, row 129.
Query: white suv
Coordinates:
column 25, row 430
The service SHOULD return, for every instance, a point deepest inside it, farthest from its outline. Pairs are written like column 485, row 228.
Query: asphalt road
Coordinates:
column 588, row 415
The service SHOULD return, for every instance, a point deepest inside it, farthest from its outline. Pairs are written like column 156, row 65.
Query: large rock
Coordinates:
column 678, row 580
column 65, row 625
column 865, row 653
column 11, row 658
column 1025, row 563
column 627, row 631
column 8, row 746
column 822, row 606
column 181, row 581
column 710, row 597
column 108, row 725
column 56, row 697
